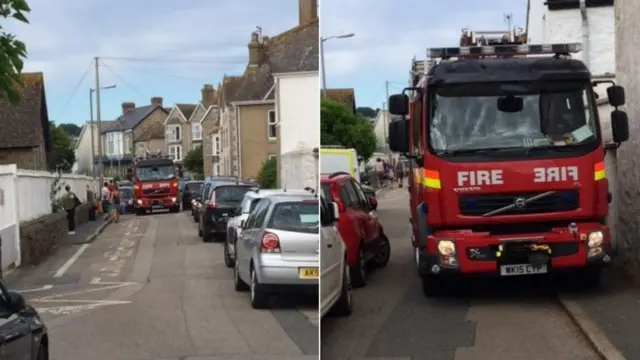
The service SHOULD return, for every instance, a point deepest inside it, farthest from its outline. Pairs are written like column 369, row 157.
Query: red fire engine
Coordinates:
column 155, row 184
column 507, row 158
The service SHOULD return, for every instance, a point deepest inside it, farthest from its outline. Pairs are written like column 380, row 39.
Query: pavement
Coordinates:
column 149, row 288
column 517, row 319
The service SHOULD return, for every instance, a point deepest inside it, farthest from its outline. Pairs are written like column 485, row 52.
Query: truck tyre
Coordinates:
column 359, row 270
column 384, row 252
column 174, row 209
column 434, row 285
column 344, row 305
column 589, row 278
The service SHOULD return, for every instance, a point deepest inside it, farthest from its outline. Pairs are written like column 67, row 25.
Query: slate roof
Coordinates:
column 128, row 120
column 294, row 50
column 154, row 132
column 187, row 109
column 27, row 123
column 344, row 96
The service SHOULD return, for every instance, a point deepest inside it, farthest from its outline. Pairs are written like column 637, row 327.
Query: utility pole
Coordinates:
column 98, row 119
column 387, row 115
column 93, row 148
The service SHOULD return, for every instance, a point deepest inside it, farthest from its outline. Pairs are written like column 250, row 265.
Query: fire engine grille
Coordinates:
column 478, row 205
column 156, row 192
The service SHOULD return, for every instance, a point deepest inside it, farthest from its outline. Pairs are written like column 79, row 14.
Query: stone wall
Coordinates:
column 628, row 162
column 41, row 237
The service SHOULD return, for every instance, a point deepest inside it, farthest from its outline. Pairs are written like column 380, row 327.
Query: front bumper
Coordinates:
column 278, row 274
column 482, row 254
column 157, row 203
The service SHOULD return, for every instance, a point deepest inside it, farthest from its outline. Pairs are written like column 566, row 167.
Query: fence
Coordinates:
column 24, row 196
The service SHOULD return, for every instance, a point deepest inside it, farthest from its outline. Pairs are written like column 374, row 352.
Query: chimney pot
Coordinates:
column 128, row 106
column 156, row 101
column 307, row 11
column 257, row 51
column 209, row 96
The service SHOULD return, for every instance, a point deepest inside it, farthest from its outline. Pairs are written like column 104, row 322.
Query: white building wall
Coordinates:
column 379, row 127
column 83, row 151
column 298, row 114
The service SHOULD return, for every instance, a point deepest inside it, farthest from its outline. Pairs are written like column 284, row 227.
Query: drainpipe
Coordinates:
column 585, row 32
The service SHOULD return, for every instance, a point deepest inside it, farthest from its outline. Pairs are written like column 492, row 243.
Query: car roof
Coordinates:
column 260, row 193
column 233, row 183
column 195, row 182
column 325, row 178
column 280, row 198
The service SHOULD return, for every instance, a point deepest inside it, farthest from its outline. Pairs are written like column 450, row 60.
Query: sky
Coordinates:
column 147, row 48
column 389, row 33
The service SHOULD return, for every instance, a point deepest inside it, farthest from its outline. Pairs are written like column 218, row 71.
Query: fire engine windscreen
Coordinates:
column 475, row 117
column 155, row 173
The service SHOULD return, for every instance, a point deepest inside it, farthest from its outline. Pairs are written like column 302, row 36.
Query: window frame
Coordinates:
column 195, row 126
column 272, row 125
column 173, row 155
column 176, row 131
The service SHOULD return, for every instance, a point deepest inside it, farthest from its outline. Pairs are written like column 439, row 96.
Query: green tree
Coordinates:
column 71, row 129
column 12, row 51
column 366, row 112
column 63, row 153
column 268, row 175
column 338, row 126
column 194, row 161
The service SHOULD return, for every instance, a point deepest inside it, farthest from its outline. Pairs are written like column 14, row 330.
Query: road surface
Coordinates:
column 149, row 288
column 393, row 320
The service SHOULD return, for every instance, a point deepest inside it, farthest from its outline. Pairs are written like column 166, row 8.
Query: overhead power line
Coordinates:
column 121, row 79
column 75, row 90
column 227, row 60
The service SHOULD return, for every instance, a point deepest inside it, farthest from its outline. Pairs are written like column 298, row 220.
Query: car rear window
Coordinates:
column 194, row 187
column 230, row 195
column 126, row 193
column 298, row 216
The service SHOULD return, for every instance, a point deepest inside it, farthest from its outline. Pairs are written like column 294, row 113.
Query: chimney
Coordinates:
column 156, row 101
column 307, row 11
column 209, row 96
column 256, row 50
column 128, row 106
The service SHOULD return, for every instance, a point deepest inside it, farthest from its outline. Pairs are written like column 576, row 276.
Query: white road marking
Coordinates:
column 67, row 310
column 67, row 265
column 42, row 288
column 108, row 286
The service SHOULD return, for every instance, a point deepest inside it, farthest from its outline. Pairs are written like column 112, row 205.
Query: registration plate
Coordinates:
column 308, row 273
column 157, row 207
column 522, row 269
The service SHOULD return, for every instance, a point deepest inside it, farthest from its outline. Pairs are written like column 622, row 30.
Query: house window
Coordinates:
column 215, row 140
column 111, row 146
column 141, row 148
column 173, row 133
column 115, row 144
column 567, row 5
column 175, row 151
column 195, row 146
column 271, row 156
column 271, row 125
column 196, row 131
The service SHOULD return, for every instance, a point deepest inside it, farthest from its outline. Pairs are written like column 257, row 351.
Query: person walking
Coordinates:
column 106, row 196
column 379, row 170
column 115, row 201
column 70, row 202
column 400, row 171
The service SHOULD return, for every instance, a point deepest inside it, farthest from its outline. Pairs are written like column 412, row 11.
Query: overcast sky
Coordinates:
column 199, row 40
column 389, row 33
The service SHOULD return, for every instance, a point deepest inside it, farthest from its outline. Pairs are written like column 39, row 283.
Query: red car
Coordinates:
column 358, row 225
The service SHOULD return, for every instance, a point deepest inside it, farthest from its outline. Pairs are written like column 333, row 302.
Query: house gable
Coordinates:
column 197, row 114
column 175, row 117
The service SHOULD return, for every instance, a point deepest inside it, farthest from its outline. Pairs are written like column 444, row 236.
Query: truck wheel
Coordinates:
column 384, row 253
column 589, row 278
column 434, row 286
column 174, row 209
column 359, row 270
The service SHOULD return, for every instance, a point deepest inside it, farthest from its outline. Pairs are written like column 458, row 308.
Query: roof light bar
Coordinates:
column 504, row 50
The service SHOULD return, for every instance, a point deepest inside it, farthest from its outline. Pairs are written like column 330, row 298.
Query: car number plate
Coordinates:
column 522, row 269
column 157, row 206
column 308, row 273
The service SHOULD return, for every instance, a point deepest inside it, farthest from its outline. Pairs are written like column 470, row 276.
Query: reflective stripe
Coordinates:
column 432, row 179
column 598, row 171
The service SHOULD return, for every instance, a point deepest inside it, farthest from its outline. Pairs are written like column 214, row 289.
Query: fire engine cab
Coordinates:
column 507, row 158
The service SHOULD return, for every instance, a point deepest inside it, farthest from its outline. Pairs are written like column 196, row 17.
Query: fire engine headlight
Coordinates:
column 139, row 202
column 173, row 199
column 446, row 248
column 595, row 239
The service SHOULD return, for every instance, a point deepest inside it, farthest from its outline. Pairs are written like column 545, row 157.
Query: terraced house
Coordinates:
column 130, row 135
column 248, row 130
column 187, row 125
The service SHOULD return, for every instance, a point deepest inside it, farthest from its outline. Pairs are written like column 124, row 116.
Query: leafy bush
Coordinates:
column 268, row 175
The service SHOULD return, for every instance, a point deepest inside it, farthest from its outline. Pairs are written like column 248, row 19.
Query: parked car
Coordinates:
column 368, row 191
column 277, row 250
column 125, row 184
column 335, row 280
column 192, row 191
column 358, row 225
column 127, row 200
column 247, row 205
column 209, row 183
column 221, row 205
column 23, row 335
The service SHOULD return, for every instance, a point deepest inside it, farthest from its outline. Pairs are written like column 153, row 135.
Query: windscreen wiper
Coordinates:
column 478, row 151
column 556, row 148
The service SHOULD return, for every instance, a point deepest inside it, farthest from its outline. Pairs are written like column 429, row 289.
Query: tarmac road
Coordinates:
column 149, row 288
column 497, row 320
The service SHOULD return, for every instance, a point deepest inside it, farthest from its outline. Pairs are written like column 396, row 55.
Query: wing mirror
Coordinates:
column 374, row 203
column 16, row 301
column 336, row 211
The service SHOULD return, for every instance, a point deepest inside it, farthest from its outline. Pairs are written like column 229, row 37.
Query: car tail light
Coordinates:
column 212, row 202
column 270, row 243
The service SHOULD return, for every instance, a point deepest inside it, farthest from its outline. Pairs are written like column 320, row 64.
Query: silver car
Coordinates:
column 247, row 205
column 277, row 250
